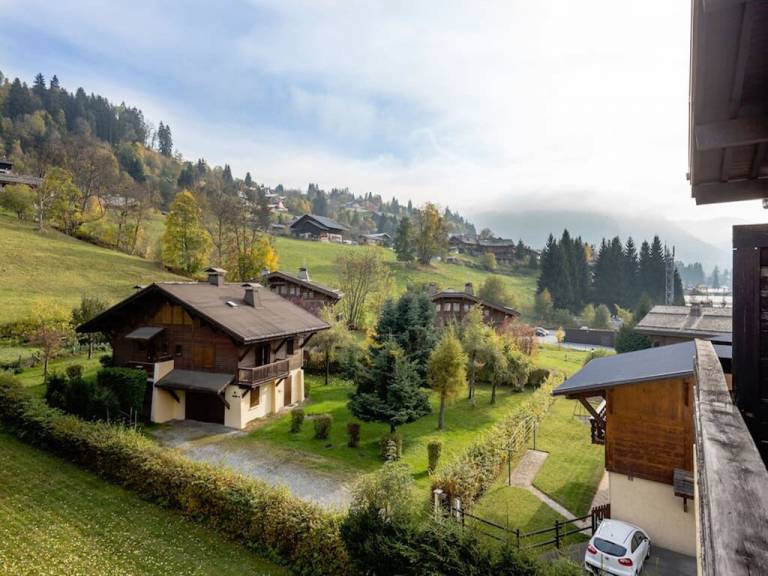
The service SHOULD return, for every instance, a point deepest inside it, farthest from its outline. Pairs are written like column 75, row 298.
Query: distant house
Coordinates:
column 505, row 251
column 646, row 421
column 302, row 291
column 672, row 324
column 213, row 351
column 452, row 305
column 380, row 239
column 318, row 228
column 7, row 176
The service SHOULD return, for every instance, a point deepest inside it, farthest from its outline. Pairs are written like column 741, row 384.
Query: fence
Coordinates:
column 554, row 535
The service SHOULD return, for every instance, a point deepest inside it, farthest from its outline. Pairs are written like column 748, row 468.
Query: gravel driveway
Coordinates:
column 220, row 446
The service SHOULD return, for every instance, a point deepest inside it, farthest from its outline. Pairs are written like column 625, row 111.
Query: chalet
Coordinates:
column 213, row 351
column 379, row 239
column 505, row 251
column 645, row 418
column 321, row 228
column 452, row 305
column 8, row 177
column 301, row 290
column 672, row 324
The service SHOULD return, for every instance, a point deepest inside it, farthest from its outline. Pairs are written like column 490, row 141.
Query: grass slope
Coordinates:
column 53, row 265
column 320, row 258
column 57, row 519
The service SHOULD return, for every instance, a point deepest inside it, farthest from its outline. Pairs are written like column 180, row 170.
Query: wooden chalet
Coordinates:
column 452, row 305
column 301, row 290
column 378, row 239
column 504, row 250
column 673, row 324
column 213, row 351
column 315, row 227
column 642, row 405
column 7, row 176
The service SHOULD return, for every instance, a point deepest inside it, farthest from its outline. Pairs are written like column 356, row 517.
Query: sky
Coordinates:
column 479, row 106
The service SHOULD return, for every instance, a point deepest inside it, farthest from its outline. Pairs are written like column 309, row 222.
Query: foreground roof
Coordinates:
column 686, row 320
column 224, row 307
column 630, row 368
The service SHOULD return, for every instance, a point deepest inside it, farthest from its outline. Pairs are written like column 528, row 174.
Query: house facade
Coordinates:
column 452, row 305
column 313, row 227
column 301, row 290
column 213, row 351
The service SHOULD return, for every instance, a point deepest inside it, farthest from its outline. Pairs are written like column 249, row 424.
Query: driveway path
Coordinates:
column 220, row 446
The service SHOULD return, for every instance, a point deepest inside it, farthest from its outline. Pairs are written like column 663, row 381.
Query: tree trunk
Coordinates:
column 392, row 428
column 472, row 378
column 45, row 368
column 327, row 366
column 493, row 392
column 441, row 416
column 90, row 346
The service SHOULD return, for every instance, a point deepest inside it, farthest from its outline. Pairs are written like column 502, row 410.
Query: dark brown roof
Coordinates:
column 144, row 333
column 330, row 292
column 461, row 294
column 224, row 307
column 213, row 382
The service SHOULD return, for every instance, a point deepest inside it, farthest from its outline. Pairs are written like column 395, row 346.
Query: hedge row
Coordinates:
column 470, row 474
column 266, row 519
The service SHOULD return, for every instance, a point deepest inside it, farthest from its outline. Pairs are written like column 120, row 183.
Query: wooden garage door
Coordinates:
column 204, row 407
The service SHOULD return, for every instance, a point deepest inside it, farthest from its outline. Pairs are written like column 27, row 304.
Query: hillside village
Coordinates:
column 203, row 374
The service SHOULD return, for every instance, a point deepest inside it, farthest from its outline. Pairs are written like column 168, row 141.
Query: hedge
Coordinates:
column 470, row 474
column 265, row 519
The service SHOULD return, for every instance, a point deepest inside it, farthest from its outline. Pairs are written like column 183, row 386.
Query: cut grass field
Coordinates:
column 32, row 377
column 54, row 266
column 462, row 425
column 566, row 360
column 57, row 519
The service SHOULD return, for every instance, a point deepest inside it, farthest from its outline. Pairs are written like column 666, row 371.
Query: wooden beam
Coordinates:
column 246, row 390
column 173, row 393
column 740, row 65
column 736, row 132
column 282, row 343
column 714, row 5
column 725, row 165
column 307, row 339
column 592, row 411
column 224, row 400
column 734, row 191
column 758, row 159
column 245, row 352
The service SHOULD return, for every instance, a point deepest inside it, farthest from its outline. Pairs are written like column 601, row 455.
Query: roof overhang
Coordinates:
column 209, row 382
column 144, row 333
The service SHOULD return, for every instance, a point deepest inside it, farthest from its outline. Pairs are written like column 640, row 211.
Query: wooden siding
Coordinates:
column 649, row 429
column 311, row 300
column 452, row 310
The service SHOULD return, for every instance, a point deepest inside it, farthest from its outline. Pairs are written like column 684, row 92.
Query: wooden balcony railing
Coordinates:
column 257, row 374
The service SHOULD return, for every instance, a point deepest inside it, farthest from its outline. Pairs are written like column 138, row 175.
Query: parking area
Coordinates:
column 661, row 563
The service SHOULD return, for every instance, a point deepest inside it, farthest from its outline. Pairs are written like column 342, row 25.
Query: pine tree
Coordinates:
column 716, row 277
column 679, row 292
column 630, row 274
column 404, row 240
column 644, row 270
column 165, row 140
column 657, row 273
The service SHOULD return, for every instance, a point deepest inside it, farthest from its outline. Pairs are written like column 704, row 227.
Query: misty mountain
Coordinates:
column 534, row 226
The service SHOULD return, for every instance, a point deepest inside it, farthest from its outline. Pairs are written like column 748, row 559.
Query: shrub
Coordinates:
column 434, row 449
column 105, row 405
column 391, row 446
column 353, row 431
column 297, row 419
column 265, row 519
column 537, row 377
column 470, row 474
column 56, row 391
column 322, row 425
column 78, row 398
column 105, row 360
column 74, row 371
column 307, row 388
column 128, row 384
column 628, row 340
column 597, row 353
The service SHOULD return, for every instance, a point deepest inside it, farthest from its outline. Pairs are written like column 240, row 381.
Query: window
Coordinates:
column 466, row 307
column 178, row 350
column 438, row 307
column 609, row 547
column 289, row 346
column 456, row 307
column 637, row 539
column 255, row 396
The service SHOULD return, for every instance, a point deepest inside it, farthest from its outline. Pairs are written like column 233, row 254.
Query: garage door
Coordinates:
column 204, row 407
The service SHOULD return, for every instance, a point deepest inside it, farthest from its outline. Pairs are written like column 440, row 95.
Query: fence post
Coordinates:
column 517, row 535
column 437, row 499
column 457, row 510
column 557, row 534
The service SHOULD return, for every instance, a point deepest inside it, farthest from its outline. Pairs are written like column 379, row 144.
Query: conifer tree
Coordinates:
column 404, row 240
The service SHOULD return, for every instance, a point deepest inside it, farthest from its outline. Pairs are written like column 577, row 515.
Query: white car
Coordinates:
column 542, row 331
column 617, row 548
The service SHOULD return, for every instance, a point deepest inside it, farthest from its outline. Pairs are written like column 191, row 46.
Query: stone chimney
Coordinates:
column 304, row 274
column 695, row 309
column 216, row 276
column 251, row 296
column 469, row 289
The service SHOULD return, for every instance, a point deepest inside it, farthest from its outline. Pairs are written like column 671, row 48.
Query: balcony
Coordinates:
column 259, row 374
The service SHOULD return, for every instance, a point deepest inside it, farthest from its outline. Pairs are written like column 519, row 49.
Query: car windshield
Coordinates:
column 609, row 547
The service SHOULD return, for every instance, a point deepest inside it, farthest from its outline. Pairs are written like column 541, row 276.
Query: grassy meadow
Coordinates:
column 58, row 519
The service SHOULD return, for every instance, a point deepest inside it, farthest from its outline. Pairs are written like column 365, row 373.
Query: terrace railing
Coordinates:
column 258, row 374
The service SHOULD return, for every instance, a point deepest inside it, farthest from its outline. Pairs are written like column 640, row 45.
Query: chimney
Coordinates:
column 216, row 276
column 468, row 289
column 304, row 274
column 251, row 296
column 695, row 309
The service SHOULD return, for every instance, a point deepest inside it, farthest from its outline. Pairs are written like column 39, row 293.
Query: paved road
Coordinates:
column 222, row 446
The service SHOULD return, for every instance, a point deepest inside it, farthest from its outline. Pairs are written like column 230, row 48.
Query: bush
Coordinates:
column 297, row 419
column 434, row 449
column 128, row 384
column 537, row 377
column 74, row 371
column 322, row 425
column 265, row 519
column 391, row 446
column 105, row 405
column 353, row 431
column 56, row 391
column 78, row 398
column 470, row 474
column 105, row 360
column 597, row 353
column 628, row 340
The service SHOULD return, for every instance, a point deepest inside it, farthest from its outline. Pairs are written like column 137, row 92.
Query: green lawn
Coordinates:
column 564, row 359
column 12, row 352
column 53, row 265
column 34, row 376
column 463, row 424
column 59, row 520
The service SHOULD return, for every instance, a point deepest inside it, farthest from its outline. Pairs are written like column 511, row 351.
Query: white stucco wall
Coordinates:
column 164, row 405
column 654, row 507
column 271, row 399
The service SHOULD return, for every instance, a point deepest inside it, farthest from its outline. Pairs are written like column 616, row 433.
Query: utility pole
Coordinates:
column 669, row 277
